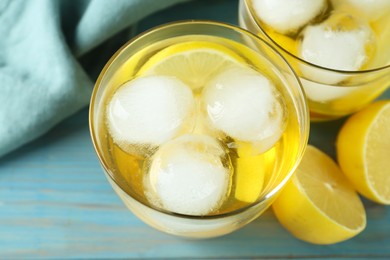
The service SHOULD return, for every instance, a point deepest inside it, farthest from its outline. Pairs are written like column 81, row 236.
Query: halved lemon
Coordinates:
column 193, row 62
column 319, row 205
column 363, row 151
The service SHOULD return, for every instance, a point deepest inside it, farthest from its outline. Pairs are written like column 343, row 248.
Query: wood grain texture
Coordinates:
column 56, row 203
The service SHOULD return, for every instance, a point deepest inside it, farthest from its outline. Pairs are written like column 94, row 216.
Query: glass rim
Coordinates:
column 348, row 72
column 303, row 117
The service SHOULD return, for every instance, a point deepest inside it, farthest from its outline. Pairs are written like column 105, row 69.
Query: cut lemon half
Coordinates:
column 319, row 205
column 363, row 151
column 193, row 62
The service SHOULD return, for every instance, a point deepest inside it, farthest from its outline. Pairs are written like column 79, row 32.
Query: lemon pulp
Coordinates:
column 192, row 62
column 319, row 205
column 363, row 146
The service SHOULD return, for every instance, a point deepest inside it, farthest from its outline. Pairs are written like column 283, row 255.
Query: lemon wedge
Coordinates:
column 319, row 205
column 193, row 62
column 363, row 151
column 250, row 172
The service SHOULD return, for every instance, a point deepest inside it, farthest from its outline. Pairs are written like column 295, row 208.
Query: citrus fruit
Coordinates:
column 193, row 62
column 363, row 151
column 249, row 177
column 319, row 205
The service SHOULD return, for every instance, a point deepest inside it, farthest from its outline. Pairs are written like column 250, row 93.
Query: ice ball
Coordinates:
column 371, row 9
column 342, row 42
column 288, row 15
column 325, row 93
column 149, row 111
column 245, row 105
column 189, row 175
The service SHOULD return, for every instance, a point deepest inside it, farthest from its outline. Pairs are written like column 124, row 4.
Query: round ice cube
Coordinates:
column 324, row 92
column 149, row 111
column 340, row 43
column 189, row 175
column 371, row 9
column 245, row 105
column 288, row 15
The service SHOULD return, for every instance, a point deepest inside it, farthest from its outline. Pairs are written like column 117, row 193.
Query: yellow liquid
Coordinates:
column 328, row 101
column 252, row 175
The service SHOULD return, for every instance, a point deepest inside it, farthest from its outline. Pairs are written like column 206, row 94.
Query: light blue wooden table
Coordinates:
column 56, row 203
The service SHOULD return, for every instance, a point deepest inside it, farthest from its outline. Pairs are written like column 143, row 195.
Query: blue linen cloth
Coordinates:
column 48, row 58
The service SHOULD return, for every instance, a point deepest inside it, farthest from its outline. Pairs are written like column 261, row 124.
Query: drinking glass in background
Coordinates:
column 256, row 172
column 339, row 48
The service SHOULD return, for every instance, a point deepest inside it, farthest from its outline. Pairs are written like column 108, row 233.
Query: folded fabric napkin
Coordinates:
column 45, row 71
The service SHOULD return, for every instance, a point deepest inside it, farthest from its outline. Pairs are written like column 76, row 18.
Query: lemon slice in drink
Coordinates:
column 319, row 205
column 363, row 151
column 193, row 62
